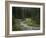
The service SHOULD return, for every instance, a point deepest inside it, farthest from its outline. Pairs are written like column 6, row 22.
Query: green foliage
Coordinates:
column 31, row 22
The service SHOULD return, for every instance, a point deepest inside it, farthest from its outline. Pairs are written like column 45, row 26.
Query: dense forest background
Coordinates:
column 27, row 15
